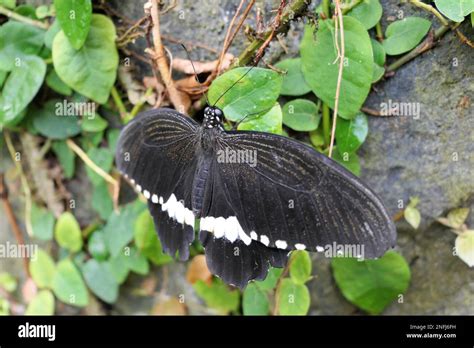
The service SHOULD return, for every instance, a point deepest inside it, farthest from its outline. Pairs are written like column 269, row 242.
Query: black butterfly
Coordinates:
column 252, row 212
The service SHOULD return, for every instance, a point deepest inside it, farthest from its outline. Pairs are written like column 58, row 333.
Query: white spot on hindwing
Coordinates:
column 264, row 240
column 229, row 228
column 281, row 244
column 253, row 235
column 154, row 199
column 146, row 194
column 319, row 249
column 299, row 246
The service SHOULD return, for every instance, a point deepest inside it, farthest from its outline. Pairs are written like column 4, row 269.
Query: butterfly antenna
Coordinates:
column 195, row 73
column 240, row 78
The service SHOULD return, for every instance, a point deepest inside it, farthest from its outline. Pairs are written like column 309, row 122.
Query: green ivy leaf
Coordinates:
column 368, row 12
column 301, row 115
column 269, row 122
column 119, row 228
column 18, row 40
column 293, row 298
column 52, row 124
column 20, row 88
column 300, row 266
column 66, row 157
column 42, row 222
column 350, row 134
column 56, row 84
column 8, row 282
column 95, row 64
column 42, row 269
column 68, row 285
column 102, row 201
column 404, row 35
column 104, row 158
column 255, row 93
column 372, row 284
column 41, row 304
column 97, row 247
column 349, row 160
column 218, row 295
column 255, row 301
column 74, row 16
column 269, row 283
column 293, row 80
column 455, row 10
column 94, row 124
column 51, row 33
column 68, row 233
column 100, row 280
column 318, row 56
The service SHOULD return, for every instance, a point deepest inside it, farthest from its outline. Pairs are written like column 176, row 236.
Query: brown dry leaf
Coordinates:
column 29, row 290
column 198, row 270
column 190, row 86
column 185, row 66
column 171, row 306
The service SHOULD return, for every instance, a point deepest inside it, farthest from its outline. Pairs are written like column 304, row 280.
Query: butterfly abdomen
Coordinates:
column 199, row 185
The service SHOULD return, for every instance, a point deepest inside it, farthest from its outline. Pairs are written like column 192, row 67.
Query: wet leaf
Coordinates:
column 372, row 284
column 301, row 115
column 74, row 16
column 404, row 35
column 68, row 233
column 255, row 301
column 42, row 269
column 293, row 80
column 68, row 285
column 95, row 64
column 293, row 298
column 321, row 73
column 270, row 121
column 350, row 134
column 253, row 94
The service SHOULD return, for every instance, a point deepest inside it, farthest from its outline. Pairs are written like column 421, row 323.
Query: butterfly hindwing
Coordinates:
column 156, row 152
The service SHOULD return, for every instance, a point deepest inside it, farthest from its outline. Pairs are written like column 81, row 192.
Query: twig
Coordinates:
column 24, row 182
column 12, row 220
column 106, row 176
column 160, row 59
column 23, row 19
column 275, row 26
column 431, row 9
column 226, row 43
column 340, row 56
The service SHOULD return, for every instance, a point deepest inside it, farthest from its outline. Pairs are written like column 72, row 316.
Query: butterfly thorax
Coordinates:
column 213, row 117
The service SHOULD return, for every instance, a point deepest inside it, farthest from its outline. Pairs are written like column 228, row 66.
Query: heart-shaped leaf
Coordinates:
column 100, row 280
column 350, row 134
column 92, row 69
column 256, row 92
column 455, row 10
column 293, row 298
column 372, row 284
column 42, row 269
column 255, row 301
column 301, row 115
column 68, row 233
column 300, row 266
column 41, row 304
column 321, row 69
column 368, row 12
column 53, row 124
column 68, row 285
column 403, row 35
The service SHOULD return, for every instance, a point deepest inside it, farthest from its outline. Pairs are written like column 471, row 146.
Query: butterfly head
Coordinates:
column 213, row 117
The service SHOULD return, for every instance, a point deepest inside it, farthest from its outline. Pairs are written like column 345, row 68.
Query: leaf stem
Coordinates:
column 379, row 31
column 326, row 124
column 118, row 102
column 326, row 8
column 431, row 9
column 23, row 19
column 138, row 106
